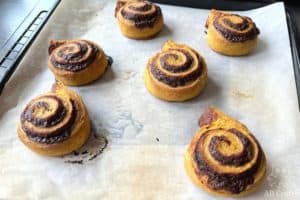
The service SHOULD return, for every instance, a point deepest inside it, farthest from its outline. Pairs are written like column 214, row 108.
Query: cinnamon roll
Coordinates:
column 140, row 19
column 76, row 62
column 178, row 73
column 55, row 123
column 224, row 158
column 231, row 34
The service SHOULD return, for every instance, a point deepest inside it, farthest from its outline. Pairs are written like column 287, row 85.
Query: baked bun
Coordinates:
column 177, row 73
column 140, row 19
column 231, row 34
column 224, row 158
column 55, row 123
column 76, row 62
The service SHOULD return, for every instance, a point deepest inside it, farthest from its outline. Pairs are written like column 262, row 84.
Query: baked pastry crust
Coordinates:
column 76, row 62
column 231, row 34
column 140, row 19
column 177, row 73
column 224, row 158
column 55, row 123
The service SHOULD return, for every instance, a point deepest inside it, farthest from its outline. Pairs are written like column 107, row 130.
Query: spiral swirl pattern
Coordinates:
column 48, row 119
column 176, row 67
column 74, row 55
column 121, row 3
column 141, row 13
column 229, row 158
column 235, row 28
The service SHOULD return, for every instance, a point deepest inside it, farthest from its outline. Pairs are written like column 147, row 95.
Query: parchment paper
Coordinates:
column 147, row 137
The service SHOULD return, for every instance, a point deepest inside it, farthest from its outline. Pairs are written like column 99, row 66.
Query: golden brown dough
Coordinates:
column 140, row 19
column 55, row 123
column 224, row 158
column 231, row 34
column 76, row 62
column 178, row 73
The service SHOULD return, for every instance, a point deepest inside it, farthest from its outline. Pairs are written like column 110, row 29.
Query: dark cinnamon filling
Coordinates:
column 235, row 35
column 236, row 160
column 74, row 61
column 72, row 56
column 172, row 80
column 51, row 120
column 53, row 44
column 58, row 135
column 176, row 68
column 238, row 26
column 143, row 8
column 235, row 183
column 176, row 81
column 51, row 140
column 142, row 20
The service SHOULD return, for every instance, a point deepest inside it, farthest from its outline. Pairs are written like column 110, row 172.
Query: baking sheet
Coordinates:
column 147, row 137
